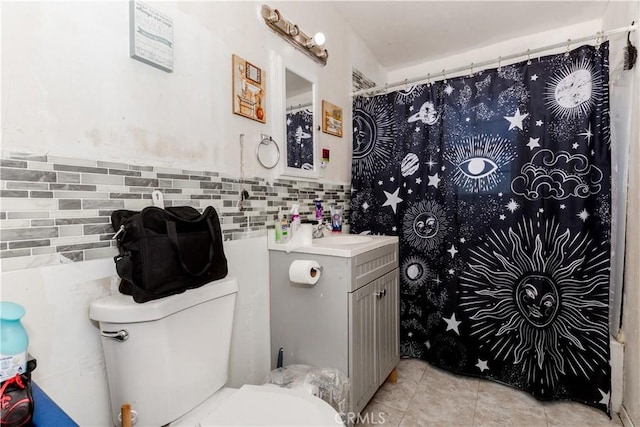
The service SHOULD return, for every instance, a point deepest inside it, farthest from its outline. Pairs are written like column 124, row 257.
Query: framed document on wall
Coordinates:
column 150, row 36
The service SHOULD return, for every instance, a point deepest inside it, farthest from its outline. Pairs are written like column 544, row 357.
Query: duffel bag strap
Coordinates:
column 173, row 238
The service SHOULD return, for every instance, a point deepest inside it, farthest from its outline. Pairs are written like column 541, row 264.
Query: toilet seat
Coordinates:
column 271, row 406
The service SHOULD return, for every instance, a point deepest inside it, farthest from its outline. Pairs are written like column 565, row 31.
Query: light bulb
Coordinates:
column 319, row 39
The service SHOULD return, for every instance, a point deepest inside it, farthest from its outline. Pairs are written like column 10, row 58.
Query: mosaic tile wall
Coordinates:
column 56, row 210
column 360, row 81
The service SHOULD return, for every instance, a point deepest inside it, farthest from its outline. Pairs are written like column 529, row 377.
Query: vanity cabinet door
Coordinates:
column 388, row 324
column 374, row 347
column 363, row 371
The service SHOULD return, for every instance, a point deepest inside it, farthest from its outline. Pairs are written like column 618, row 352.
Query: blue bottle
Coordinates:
column 14, row 340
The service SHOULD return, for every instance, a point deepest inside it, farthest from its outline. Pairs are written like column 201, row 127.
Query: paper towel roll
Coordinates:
column 304, row 271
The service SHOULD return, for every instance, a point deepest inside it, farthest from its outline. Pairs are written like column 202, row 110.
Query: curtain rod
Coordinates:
column 299, row 106
column 600, row 35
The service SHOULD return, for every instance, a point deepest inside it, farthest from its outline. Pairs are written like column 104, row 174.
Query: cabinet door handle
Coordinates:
column 384, row 292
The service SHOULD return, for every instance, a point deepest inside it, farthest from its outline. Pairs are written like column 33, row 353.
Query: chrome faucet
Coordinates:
column 318, row 232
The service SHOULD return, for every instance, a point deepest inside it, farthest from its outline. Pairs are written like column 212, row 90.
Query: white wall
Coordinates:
column 70, row 89
column 504, row 48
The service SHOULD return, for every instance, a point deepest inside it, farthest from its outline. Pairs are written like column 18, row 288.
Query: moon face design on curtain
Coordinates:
column 498, row 186
column 300, row 139
column 373, row 136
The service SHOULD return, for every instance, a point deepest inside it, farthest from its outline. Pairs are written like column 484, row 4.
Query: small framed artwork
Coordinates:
column 151, row 36
column 248, row 90
column 331, row 119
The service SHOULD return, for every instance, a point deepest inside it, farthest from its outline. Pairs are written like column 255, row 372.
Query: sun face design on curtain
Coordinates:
column 498, row 186
column 536, row 300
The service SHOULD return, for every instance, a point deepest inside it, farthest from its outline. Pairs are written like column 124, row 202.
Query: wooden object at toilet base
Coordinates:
column 393, row 376
column 125, row 412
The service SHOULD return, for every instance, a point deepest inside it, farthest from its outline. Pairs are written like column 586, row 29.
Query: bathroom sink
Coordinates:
column 348, row 239
column 340, row 245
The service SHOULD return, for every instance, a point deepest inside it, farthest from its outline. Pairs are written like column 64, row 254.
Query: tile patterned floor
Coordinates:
column 428, row 396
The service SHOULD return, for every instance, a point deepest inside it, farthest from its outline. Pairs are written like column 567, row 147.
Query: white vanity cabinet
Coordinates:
column 348, row 320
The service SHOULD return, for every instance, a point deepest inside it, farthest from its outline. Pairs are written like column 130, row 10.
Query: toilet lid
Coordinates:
column 272, row 406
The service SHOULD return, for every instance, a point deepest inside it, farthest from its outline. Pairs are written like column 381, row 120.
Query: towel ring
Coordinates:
column 263, row 154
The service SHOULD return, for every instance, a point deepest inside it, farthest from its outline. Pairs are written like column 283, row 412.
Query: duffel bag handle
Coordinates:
column 173, row 238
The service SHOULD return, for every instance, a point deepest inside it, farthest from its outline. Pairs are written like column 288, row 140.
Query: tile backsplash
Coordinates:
column 56, row 210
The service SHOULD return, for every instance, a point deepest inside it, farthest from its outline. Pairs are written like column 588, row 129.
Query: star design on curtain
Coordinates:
column 452, row 323
column 392, row 199
column 515, row 121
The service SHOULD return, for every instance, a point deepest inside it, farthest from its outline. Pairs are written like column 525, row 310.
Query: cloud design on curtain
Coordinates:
column 558, row 176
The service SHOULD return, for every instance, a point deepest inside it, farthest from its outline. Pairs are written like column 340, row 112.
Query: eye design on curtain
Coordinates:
column 478, row 161
column 478, row 167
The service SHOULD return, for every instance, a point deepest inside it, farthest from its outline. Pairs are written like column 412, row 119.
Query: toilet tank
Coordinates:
column 166, row 356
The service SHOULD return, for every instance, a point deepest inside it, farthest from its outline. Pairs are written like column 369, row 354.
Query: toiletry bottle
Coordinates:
column 13, row 341
column 295, row 218
column 284, row 227
column 318, row 203
column 278, row 228
column 336, row 219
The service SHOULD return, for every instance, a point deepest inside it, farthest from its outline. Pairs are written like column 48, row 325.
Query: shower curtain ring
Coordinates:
column 406, row 86
column 499, row 63
column 568, row 47
column 528, row 56
column 471, row 68
column 444, row 76
column 429, row 79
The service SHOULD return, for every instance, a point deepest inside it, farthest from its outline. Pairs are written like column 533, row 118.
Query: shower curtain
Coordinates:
column 498, row 186
column 300, row 139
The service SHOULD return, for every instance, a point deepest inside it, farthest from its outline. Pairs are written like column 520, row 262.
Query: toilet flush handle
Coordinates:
column 121, row 335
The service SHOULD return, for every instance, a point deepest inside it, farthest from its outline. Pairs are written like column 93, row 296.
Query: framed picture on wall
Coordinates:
column 331, row 119
column 248, row 90
column 150, row 36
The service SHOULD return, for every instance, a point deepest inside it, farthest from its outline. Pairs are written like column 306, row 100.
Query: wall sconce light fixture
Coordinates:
column 312, row 46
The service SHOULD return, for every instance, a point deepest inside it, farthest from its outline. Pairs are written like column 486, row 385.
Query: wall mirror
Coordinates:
column 296, row 114
column 299, row 121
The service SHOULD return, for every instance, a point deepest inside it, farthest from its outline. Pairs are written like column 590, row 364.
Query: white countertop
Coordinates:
column 334, row 245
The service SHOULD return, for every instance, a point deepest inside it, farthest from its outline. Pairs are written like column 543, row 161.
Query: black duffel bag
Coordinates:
column 167, row 251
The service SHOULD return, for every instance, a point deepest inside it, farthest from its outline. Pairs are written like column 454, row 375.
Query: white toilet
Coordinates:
column 169, row 359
